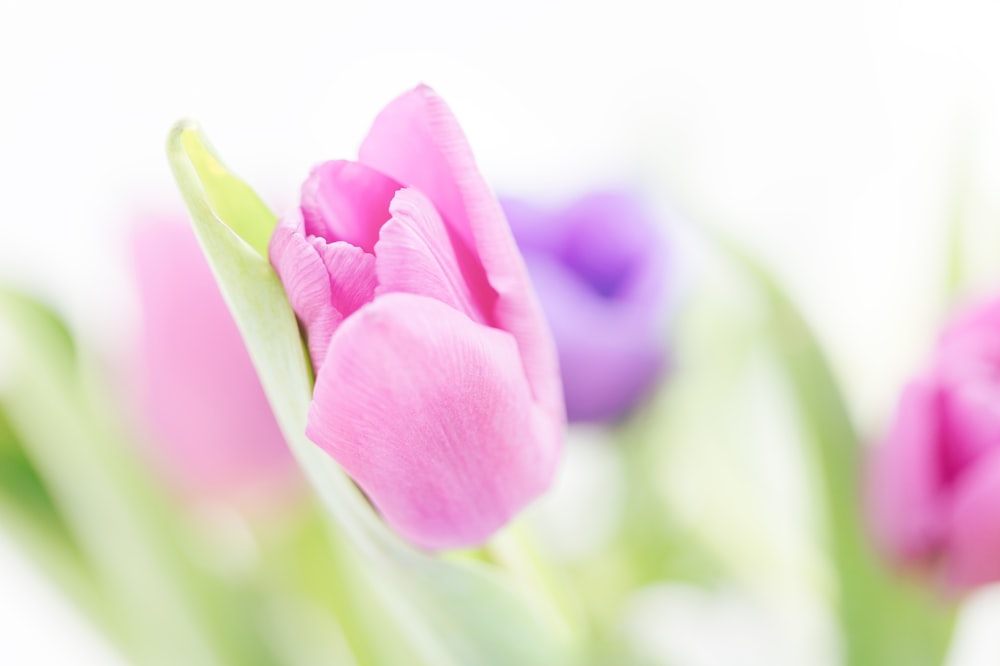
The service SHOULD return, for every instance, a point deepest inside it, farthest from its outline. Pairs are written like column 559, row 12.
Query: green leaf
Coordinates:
column 137, row 577
column 435, row 611
column 27, row 508
column 885, row 618
column 22, row 489
column 228, row 196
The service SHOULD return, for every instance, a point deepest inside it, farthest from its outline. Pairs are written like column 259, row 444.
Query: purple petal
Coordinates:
column 611, row 242
column 599, row 268
column 611, row 353
column 430, row 413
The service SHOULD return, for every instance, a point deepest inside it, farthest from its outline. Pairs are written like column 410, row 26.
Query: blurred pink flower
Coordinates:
column 212, row 430
column 936, row 480
column 437, row 387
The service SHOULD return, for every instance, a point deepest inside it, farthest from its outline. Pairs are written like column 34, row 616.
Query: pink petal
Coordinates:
column 417, row 141
column 906, row 483
column 430, row 413
column 325, row 282
column 213, row 429
column 347, row 201
column 303, row 273
column 974, row 319
column 970, row 420
column 352, row 276
column 974, row 539
column 415, row 255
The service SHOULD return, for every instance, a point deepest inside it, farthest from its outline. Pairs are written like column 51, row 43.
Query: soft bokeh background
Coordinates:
column 837, row 139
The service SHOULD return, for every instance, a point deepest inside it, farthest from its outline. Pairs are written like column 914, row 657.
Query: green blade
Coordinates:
column 150, row 595
column 885, row 618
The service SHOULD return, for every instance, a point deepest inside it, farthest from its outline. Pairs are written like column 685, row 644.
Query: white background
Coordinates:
column 828, row 135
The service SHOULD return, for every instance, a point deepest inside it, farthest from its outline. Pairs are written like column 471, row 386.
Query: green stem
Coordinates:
column 884, row 619
column 167, row 609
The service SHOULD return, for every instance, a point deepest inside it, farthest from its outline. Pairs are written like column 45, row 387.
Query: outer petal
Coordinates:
column 906, row 484
column 347, row 201
column 416, row 256
column 417, row 141
column 430, row 413
column 212, row 424
column 610, row 352
column 974, row 537
column 325, row 281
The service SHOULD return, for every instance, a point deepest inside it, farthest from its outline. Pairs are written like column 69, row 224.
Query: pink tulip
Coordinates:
column 437, row 387
column 212, row 431
column 936, row 480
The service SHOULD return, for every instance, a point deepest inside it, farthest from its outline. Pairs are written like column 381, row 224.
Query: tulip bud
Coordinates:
column 936, row 479
column 437, row 388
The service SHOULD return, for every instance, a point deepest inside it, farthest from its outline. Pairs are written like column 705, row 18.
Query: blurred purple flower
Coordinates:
column 212, row 430
column 600, row 268
column 935, row 483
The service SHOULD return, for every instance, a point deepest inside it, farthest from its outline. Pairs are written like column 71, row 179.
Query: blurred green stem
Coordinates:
column 884, row 619
column 165, row 607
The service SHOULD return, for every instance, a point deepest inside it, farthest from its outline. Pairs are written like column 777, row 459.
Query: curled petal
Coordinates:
column 417, row 141
column 352, row 276
column 431, row 414
column 416, row 256
column 325, row 282
column 300, row 266
column 536, row 228
column 347, row 201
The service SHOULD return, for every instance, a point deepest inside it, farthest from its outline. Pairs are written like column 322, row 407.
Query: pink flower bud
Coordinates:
column 437, row 387
column 936, row 479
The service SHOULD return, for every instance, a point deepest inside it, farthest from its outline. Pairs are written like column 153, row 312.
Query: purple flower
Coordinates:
column 599, row 266
column 935, row 487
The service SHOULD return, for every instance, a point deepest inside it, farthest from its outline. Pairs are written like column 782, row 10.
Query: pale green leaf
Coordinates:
column 886, row 619
column 132, row 569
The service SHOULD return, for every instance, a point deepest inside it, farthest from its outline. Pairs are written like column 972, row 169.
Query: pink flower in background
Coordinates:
column 936, row 480
column 437, row 386
column 211, row 427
